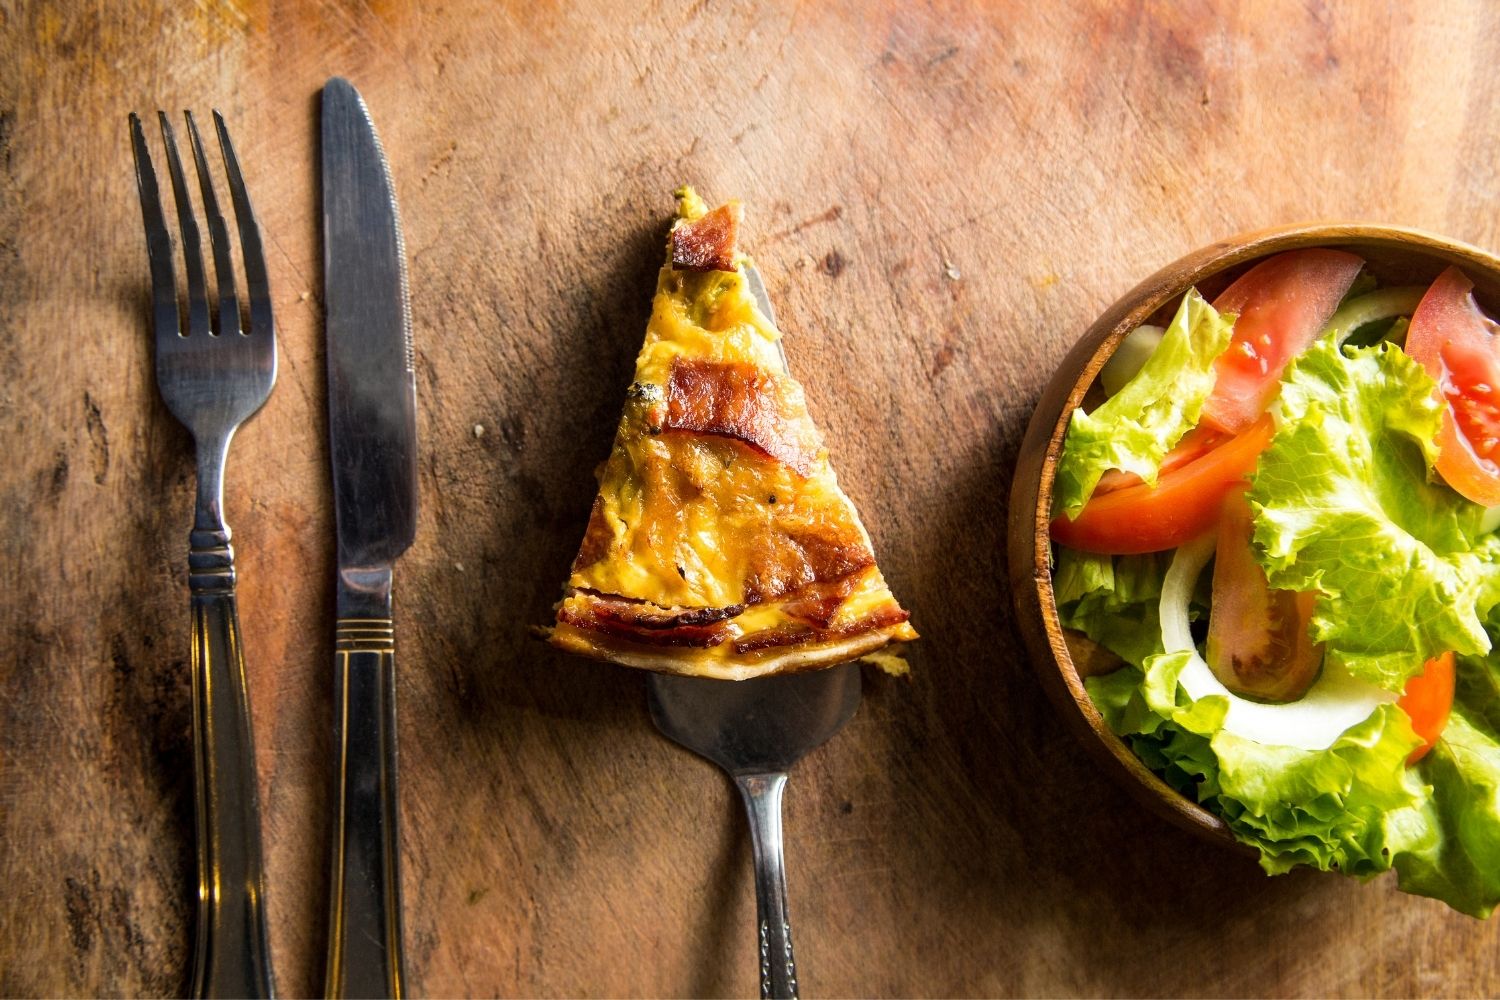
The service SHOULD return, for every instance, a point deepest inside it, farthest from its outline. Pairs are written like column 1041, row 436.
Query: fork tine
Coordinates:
column 192, row 243
column 218, row 237
column 165, row 315
column 258, row 289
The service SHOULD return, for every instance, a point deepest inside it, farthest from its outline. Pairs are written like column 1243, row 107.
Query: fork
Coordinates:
column 213, row 372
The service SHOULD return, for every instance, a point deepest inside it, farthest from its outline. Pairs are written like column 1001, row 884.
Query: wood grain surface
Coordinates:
column 941, row 196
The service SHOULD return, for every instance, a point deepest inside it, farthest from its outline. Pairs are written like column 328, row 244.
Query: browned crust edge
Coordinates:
column 796, row 660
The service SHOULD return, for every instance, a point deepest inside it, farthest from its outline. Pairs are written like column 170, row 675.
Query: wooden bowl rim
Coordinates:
column 1031, row 495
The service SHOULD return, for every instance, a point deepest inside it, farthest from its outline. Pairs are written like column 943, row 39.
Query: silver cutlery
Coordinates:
column 372, row 426
column 756, row 730
column 214, row 371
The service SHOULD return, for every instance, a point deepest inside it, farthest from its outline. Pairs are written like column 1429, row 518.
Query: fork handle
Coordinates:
column 232, row 957
column 762, row 795
column 365, row 956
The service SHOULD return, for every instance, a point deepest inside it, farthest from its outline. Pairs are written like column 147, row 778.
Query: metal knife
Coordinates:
column 372, row 426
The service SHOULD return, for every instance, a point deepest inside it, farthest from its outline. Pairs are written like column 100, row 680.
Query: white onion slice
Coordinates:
column 1386, row 303
column 1315, row 721
column 1134, row 351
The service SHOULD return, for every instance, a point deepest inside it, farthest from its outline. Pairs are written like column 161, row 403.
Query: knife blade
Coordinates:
column 373, row 443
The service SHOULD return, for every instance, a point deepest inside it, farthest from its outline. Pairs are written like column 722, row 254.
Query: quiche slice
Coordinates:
column 720, row 544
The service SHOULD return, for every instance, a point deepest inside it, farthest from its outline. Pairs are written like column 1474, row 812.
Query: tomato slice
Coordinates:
column 1258, row 642
column 1427, row 701
column 1460, row 348
column 1283, row 303
column 1184, row 504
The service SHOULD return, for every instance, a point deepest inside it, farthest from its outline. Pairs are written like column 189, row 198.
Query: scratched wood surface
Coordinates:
column 941, row 197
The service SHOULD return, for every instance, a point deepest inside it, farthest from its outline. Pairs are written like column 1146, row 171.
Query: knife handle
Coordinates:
column 364, row 937
column 231, row 957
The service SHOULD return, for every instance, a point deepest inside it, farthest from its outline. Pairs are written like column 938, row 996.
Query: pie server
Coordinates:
column 756, row 730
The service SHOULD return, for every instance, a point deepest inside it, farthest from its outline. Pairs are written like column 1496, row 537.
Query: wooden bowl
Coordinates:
column 1394, row 255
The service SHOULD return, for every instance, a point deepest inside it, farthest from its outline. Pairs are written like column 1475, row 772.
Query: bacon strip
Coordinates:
column 707, row 243
column 790, row 557
column 699, row 627
column 642, row 614
column 817, row 603
column 814, row 604
column 740, row 401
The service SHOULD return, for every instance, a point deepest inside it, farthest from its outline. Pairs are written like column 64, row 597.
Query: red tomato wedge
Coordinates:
column 1184, row 504
column 1283, row 303
column 1427, row 701
column 1258, row 641
column 1460, row 348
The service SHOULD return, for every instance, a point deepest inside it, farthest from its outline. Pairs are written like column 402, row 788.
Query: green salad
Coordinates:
column 1282, row 519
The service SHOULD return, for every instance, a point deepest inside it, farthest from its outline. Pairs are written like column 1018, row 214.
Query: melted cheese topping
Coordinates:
column 693, row 528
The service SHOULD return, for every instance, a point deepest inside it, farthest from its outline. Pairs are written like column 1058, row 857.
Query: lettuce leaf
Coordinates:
column 1352, row 807
column 1455, row 850
column 1136, row 427
column 1477, row 682
column 1345, row 504
column 1460, row 861
column 1355, row 807
column 1112, row 599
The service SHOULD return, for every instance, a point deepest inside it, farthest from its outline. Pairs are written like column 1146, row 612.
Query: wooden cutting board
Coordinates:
column 941, row 197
